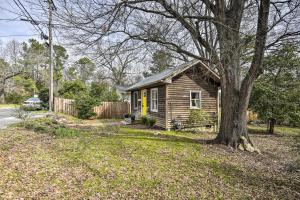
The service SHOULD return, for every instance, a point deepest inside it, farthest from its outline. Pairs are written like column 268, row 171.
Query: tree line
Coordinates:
column 24, row 72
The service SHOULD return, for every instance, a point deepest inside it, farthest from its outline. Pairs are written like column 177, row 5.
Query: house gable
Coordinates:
column 178, row 100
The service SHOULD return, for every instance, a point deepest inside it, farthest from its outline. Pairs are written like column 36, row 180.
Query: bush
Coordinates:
column 44, row 97
column 103, row 92
column 84, row 104
column 42, row 125
column 22, row 114
column 145, row 120
column 198, row 117
column 132, row 118
column 70, row 89
column 152, row 121
column 148, row 121
column 14, row 98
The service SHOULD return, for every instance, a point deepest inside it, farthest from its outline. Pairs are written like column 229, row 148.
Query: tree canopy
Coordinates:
column 161, row 60
column 276, row 94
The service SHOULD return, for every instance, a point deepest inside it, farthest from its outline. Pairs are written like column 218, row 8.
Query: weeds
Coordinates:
column 22, row 114
column 65, row 132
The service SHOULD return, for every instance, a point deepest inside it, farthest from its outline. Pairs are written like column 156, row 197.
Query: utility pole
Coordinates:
column 51, row 57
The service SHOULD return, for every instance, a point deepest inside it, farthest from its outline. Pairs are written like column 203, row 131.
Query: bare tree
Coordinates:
column 220, row 32
column 9, row 65
column 115, row 63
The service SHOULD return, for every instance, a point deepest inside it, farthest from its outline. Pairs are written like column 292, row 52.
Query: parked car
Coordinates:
column 33, row 103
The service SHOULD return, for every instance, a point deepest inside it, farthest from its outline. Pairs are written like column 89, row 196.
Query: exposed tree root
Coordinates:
column 247, row 145
column 243, row 144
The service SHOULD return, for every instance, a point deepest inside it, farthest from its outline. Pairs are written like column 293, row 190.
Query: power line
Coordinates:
column 14, row 19
column 18, row 35
column 2, row 8
column 29, row 17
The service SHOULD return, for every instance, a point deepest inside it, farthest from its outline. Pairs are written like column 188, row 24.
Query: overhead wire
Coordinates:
column 29, row 17
column 18, row 35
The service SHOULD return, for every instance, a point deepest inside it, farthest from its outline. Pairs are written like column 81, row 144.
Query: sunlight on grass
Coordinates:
column 284, row 130
column 9, row 106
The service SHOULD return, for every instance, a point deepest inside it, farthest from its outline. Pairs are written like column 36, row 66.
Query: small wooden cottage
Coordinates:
column 170, row 95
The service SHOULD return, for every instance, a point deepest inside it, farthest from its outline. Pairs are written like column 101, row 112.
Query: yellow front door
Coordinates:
column 144, row 102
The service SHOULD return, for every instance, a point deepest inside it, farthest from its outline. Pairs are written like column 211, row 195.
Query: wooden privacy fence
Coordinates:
column 106, row 110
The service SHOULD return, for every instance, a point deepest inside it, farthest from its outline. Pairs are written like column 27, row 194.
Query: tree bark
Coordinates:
column 236, row 91
column 233, row 116
column 271, row 125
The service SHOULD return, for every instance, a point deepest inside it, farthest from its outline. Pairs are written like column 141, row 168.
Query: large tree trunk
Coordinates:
column 233, row 127
column 235, row 90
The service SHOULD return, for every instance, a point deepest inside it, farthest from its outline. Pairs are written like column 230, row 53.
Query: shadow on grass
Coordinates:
column 253, row 131
column 160, row 137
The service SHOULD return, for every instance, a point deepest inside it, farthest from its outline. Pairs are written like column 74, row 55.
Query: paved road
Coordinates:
column 7, row 117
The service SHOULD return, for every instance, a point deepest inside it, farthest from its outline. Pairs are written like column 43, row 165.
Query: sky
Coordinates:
column 10, row 30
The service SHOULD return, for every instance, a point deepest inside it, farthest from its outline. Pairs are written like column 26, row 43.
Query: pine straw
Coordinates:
column 142, row 164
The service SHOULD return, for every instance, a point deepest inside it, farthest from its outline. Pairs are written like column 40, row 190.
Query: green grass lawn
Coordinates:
column 45, row 160
column 9, row 105
column 282, row 130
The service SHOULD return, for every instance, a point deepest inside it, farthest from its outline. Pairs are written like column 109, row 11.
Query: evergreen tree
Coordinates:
column 276, row 94
column 161, row 60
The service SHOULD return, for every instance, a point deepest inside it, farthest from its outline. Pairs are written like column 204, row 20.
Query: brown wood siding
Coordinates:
column 179, row 96
column 160, row 115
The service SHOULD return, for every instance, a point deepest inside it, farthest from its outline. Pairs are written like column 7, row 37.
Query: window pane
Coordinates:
column 154, row 94
column 154, row 101
column 135, row 100
column 195, row 103
column 195, row 95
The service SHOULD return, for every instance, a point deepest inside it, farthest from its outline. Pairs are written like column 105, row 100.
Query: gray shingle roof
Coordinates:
column 168, row 73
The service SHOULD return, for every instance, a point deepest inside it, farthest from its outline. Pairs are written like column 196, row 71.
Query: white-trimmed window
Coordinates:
column 154, row 100
column 195, row 99
column 135, row 99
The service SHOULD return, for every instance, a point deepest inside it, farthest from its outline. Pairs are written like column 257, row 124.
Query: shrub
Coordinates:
column 176, row 125
column 44, row 97
column 14, row 97
column 152, row 121
column 103, row 92
column 132, row 118
column 84, row 104
column 22, row 114
column 42, row 125
column 70, row 89
column 198, row 117
column 145, row 120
